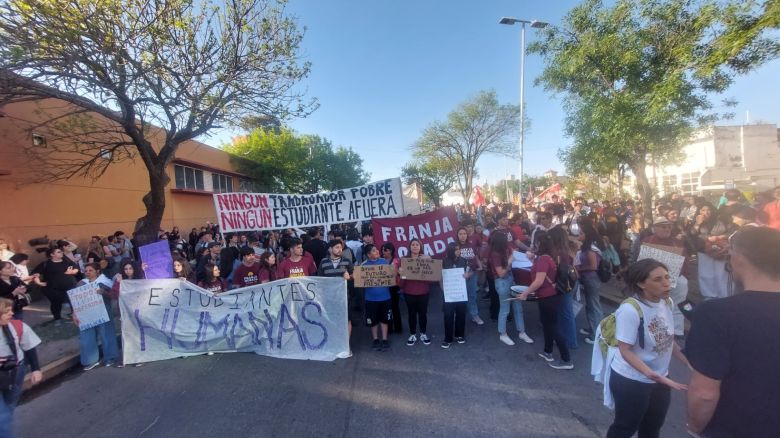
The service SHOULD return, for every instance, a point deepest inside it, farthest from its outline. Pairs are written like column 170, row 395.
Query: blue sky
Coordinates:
column 383, row 70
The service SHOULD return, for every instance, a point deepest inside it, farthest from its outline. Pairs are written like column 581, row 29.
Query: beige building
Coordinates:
column 78, row 208
column 745, row 157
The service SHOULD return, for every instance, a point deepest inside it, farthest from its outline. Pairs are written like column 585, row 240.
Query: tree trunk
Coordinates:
column 147, row 227
column 645, row 191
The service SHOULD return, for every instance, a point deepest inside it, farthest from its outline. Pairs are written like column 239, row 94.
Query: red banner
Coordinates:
column 435, row 230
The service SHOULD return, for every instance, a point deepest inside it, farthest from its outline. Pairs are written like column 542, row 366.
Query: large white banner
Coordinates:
column 300, row 318
column 265, row 211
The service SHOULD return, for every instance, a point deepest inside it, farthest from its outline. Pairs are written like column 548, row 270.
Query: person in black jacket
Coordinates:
column 317, row 247
column 228, row 256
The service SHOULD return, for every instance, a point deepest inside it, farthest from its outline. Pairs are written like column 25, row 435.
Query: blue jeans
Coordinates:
column 566, row 322
column 8, row 403
column 88, row 342
column 471, row 289
column 591, row 289
column 502, row 289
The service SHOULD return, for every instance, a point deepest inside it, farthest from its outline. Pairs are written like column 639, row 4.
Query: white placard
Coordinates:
column 88, row 305
column 454, row 285
column 674, row 262
column 293, row 318
column 520, row 261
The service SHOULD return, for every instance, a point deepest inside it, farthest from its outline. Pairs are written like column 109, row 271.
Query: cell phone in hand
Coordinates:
column 687, row 308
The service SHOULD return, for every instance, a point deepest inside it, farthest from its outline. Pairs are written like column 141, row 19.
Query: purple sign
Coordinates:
column 158, row 260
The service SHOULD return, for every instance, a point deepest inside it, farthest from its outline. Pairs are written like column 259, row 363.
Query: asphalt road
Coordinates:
column 481, row 388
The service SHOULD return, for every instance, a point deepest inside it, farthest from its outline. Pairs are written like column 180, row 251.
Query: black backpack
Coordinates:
column 604, row 271
column 565, row 277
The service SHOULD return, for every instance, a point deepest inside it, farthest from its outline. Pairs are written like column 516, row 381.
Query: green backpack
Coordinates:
column 608, row 327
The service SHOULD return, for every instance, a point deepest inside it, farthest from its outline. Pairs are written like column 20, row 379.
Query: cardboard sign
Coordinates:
column 424, row 269
column 374, row 276
column 454, row 285
column 668, row 255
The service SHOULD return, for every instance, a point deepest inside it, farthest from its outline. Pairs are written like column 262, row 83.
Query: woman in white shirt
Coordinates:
column 639, row 380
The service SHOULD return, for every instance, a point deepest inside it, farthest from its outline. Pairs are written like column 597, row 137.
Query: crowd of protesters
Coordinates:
column 571, row 245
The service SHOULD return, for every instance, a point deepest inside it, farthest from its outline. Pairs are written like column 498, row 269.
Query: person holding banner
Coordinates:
column 183, row 269
column 267, row 267
column 378, row 307
column 416, row 296
column 500, row 262
column 88, row 339
column 213, row 282
column 469, row 253
column 297, row 265
column 337, row 266
column 248, row 272
column 455, row 312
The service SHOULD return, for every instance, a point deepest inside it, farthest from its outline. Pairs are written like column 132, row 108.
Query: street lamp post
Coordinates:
column 537, row 25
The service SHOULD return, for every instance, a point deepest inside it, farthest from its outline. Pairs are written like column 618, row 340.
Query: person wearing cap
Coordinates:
column 662, row 235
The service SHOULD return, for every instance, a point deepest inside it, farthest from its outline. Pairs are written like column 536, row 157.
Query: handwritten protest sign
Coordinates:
column 265, row 211
column 454, row 285
column 293, row 318
column 419, row 268
column 668, row 255
column 88, row 306
column 434, row 230
column 158, row 260
column 374, row 276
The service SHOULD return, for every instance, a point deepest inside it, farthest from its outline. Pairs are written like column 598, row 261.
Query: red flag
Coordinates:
column 479, row 198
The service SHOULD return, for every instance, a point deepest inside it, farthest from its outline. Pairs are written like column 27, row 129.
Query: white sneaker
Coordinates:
column 477, row 320
column 506, row 339
column 425, row 339
column 344, row 355
column 412, row 340
column 525, row 338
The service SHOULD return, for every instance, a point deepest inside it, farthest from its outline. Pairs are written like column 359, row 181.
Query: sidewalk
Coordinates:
column 59, row 348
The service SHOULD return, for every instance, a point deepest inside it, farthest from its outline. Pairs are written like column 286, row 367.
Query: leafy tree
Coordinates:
column 286, row 162
column 141, row 77
column 435, row 178
column 476, row 127
column 638, row 76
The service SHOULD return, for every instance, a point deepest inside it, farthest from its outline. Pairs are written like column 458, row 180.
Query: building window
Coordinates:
column 246, row 185
column 689, row 183
column 188, row 178
column 221, row 183
column 669, row 183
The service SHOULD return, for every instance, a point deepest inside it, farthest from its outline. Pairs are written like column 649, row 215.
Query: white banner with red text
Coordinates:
column 266, row 211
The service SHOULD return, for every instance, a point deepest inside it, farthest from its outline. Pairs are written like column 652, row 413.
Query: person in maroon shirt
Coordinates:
column 297, row 265
column 544, row 272
column 248, row 272
column 267, row 267
column 416, row 296
column 213, row 282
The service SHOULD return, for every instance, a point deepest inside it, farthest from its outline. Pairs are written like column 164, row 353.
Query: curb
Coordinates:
column 60, row 366
column 53, row 369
